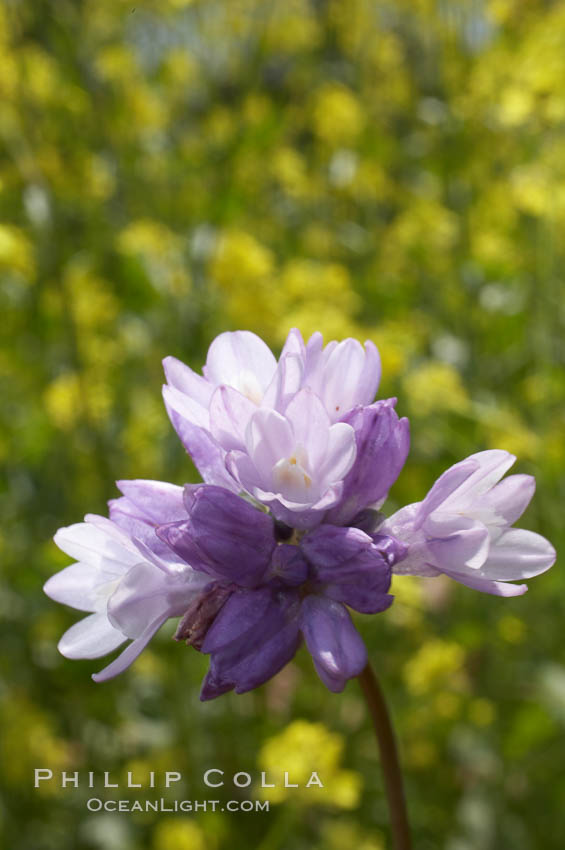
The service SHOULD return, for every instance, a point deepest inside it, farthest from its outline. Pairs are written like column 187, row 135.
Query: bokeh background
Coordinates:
column 385, row 170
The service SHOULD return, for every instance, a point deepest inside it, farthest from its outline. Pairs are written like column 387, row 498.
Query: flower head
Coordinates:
column 273, row 593
column 285, row 535
column 124, row 576
column 286, row 432
column 463, row 528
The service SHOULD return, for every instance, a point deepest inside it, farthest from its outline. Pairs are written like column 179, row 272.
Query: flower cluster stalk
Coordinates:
column 390, row 764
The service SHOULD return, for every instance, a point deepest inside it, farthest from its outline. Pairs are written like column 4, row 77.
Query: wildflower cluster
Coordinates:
column 285, row 535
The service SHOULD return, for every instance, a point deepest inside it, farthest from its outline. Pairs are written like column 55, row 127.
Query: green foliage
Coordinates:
column 390, row 170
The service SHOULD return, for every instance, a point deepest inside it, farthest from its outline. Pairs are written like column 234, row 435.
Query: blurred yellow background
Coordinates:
column 170, row 169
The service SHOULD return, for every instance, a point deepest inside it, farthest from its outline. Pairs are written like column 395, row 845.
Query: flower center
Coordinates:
column 291, row 475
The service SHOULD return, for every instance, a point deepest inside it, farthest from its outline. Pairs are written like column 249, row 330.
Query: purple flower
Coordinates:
column 281, row 431
column 124, row 576
column 314, row 456
column 268, row 594
column 240, row 361
column 463, row 528
column 382, row 441
column 295, row 463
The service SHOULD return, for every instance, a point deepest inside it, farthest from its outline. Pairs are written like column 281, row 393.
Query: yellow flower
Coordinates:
column 300, row 750
column 180, row 834
column 161, row 253
column 434, row 387
column 337, row 114
column 63, row 400
column 433, row 666
column 16, row 252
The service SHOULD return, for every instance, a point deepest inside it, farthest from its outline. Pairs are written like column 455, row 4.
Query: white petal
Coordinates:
column 93, row 545
column 79, row 586
column 232, row 354
column 518, row 554
column 129, row 654
column 90, row 638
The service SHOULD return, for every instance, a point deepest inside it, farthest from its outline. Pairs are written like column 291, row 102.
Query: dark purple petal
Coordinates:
column 330, row 547
column 391, row 549
column 382, row 441
column 289, row 565
column 334, row 643
column 367, row 598
column 367, row 520
column 351, row 565
column 253, row 637
column 246, row 614
column 224, row 536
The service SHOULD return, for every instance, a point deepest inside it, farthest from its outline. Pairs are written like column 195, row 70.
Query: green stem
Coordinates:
column 390, row 764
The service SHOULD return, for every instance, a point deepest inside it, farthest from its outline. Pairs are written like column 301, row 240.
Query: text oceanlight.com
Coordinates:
column 94, row 804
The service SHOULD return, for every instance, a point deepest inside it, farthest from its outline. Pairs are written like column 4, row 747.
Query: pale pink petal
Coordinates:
column 184, row 406
column 456, row 542
column 286, row 382
column 145, row 594
column 242, row 469
column 491, row 467
column 495, row 588
column 445, row 486
column 230, row 412
column 508, row 499
column 340, row 453
column 182, row 378
column 269, row 438
column 238, row 356
column 294, row 344
column 158, row 501
column 310, row 423
column 347, row 377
